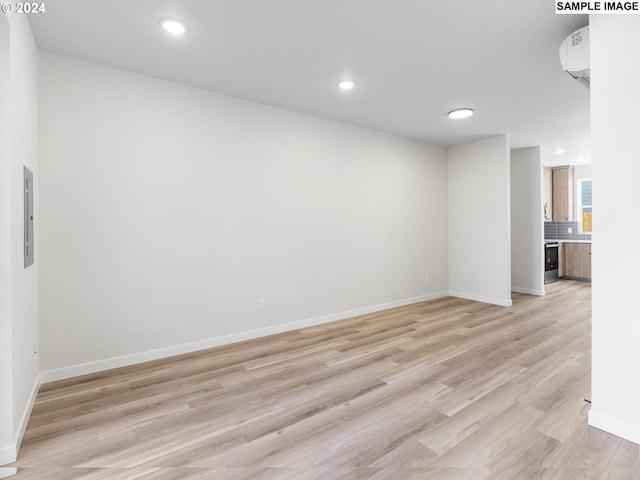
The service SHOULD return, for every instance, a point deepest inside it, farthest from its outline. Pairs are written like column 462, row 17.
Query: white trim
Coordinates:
column 126, row 360
column 26, row 414
column 614, row 426
column 528, row 291
column 479, row 298
column 9, row 454
column 6, row 472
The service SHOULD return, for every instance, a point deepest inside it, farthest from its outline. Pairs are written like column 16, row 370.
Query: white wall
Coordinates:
column 23, row 150
column 479, row 221
column 527, row 234
column 6, row 374
column 579, row 172
column 168, row 211
column 615, row 99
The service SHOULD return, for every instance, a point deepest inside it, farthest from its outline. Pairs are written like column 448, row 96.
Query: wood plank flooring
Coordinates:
column 446, row 389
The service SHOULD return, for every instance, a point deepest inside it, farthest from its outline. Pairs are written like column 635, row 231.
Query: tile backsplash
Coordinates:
column 559, row 231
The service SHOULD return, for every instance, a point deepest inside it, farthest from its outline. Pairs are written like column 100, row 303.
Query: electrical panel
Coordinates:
column 28, row 218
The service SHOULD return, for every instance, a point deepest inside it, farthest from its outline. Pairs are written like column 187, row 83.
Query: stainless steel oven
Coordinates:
column 551, row 261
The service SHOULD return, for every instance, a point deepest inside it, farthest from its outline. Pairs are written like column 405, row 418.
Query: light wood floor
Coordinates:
column 446, row 389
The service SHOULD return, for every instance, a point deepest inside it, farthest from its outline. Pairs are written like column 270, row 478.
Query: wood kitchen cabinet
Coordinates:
column 562, row 179
column 576, row 261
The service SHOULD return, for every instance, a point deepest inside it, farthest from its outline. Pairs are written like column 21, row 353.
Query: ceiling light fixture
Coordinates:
column 346, row 84
column 173, row 26
column 460, row 113
column 559, row 151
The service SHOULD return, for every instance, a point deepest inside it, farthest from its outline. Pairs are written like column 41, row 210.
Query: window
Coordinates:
column 584, row 204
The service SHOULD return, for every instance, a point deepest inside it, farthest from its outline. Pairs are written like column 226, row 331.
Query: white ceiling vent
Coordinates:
column 574, row 55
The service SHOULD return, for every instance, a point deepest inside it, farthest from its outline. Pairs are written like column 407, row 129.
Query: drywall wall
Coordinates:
column 6, row 360
column 580, row 172
column 479, row 221
column 23, row 145
column 22, row 151
column 615, row 262
column 527, row 236
column 168, row 212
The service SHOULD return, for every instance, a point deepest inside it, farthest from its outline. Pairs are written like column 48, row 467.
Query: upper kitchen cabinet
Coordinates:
column 562, row 180
column 547, row 197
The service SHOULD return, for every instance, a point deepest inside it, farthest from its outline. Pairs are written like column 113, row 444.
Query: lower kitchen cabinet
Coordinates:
column 576, row 260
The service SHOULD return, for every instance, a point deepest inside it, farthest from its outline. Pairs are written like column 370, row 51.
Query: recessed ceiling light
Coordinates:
column 559, row 151
column 461, row 113
column 173, row 26
column 346, row 84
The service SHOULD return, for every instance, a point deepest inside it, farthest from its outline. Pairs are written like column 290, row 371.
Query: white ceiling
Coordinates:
column 413, row 60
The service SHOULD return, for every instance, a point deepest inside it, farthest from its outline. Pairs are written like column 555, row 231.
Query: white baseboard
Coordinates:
column 126, row 360
column 614, row 426
column 26, row 414
column 6, row 472
column 528, row 291
column 503, row 302
column 9, row 454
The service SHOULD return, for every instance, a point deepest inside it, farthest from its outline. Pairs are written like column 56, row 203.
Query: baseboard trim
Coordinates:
column 26, row 414
column 6, row 472
column 479, row 298
column 614, row 426
column 528, row 291
column 126, row 360
column 9, row 454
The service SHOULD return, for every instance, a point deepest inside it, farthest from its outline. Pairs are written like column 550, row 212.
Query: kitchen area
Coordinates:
column 567, row 213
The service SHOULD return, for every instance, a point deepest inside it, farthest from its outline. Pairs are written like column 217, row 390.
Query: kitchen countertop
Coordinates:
column 566, row 241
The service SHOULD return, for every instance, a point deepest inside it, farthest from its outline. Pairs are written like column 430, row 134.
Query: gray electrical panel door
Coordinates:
column 28, row 218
